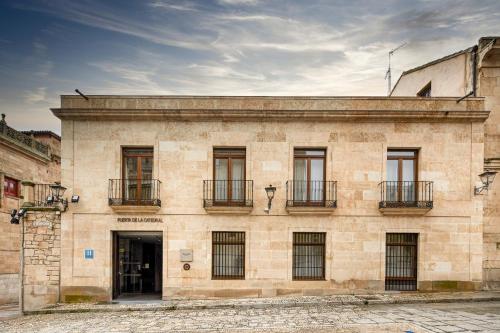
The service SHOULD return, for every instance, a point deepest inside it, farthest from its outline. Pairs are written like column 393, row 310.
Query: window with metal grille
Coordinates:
column 11, row 187
column 308, row 256
column 228, row 255
column 401, row 261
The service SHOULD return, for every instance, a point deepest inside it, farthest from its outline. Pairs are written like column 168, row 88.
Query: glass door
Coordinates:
column 137, row 175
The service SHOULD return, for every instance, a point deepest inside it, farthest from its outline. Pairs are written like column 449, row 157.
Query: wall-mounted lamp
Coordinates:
column 487, row 178
column 57, row 192
column 17, row 215
column 270, row 195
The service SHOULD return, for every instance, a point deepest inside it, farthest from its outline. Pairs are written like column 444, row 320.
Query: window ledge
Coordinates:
column 135, row 209
column 235, row 210
column 405, row 211
column 310, row 210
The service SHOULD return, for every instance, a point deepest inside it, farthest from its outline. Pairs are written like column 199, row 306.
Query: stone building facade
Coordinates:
column 23, row 158
column 371, row 194
column 471, row 72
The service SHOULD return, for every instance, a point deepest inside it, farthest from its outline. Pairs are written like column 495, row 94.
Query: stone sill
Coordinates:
column 407, row 211
column 135, row 209
column 308, row 210
column 235, row 210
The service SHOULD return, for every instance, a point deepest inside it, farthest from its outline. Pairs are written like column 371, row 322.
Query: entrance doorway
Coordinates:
column 137, row 265
column 401, row 261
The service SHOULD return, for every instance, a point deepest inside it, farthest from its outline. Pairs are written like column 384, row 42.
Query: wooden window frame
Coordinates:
column 6, row 191
column 294, row 244
column 125, row 155
column 242, row 255
column 308, row 201
column 229, row 153
column 400, row 159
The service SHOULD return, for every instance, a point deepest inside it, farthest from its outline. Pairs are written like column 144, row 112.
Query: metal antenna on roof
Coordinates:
column 388, row 73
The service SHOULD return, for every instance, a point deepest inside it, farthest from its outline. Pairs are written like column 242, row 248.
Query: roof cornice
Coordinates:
column 210, row 108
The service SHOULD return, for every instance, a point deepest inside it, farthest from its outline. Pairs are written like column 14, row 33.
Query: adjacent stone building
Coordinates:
column 24, row 159
column 262, row 196
column 472, row 72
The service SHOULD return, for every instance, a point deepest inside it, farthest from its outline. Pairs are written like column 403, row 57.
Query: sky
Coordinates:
column 220, row 47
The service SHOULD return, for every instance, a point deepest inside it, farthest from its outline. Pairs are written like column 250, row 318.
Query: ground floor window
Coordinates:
column 228, row 255
column 308, row 256
column 401, row 261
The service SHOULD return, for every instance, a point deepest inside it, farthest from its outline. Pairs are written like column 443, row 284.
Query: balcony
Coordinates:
column 405, row 197
column 228, row 196
column 134, row 195
column 311, row 197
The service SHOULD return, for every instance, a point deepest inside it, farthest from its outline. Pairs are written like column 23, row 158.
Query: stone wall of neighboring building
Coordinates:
column 489, row 87
column 356, row 133
column 446, row 82
column 42, row 258
column 448, row 77
column 21, row 160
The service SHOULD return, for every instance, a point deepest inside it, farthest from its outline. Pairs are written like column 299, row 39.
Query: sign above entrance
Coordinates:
column 140, row 219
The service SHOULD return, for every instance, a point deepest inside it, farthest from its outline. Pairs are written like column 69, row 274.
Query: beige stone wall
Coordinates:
column 489, row 87
column 41, row 260
column 449, row 78
column 17, row 163
column 450, row 243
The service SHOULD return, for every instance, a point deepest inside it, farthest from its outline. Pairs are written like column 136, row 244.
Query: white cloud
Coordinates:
column 238, row 2
column 37, row 95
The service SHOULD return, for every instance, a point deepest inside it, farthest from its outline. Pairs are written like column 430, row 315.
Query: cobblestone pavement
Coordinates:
column 449, row 317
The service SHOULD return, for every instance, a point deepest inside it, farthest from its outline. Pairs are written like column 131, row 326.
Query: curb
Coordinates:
column 262, row 305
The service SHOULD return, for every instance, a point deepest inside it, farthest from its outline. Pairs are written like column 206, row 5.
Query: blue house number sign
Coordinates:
column 89, row 254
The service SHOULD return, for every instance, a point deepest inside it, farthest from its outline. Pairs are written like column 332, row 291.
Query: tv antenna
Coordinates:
column 388, row 73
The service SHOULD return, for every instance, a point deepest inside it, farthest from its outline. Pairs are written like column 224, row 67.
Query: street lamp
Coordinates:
column 270, row 195
column 57, row 190
column 487, row 178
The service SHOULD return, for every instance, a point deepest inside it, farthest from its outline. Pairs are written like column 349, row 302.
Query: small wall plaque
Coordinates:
column 89, row 253
column 186, row 255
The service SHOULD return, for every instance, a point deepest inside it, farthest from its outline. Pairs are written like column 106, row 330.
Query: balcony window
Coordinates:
column 308, row 187
column 137, row 186
column 402, row 188
column 402, row 175
column 229, row 186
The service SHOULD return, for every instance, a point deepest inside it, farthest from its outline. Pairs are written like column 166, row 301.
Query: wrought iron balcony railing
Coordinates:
column 228, row 193
column 406, row 194
column 315, row 193
column 41, row 193
column 134, row 192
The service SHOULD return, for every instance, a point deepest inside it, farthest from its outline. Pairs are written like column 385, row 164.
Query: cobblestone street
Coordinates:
column 445, row 317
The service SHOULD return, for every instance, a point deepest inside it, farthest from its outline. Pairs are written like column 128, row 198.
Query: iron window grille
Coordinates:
column 308, row 256
column 401, row 261
column 228, row 255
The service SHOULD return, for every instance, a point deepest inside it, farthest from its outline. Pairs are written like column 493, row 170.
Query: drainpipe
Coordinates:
column 473, row 92
column 474, row 70
column 21, row 296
